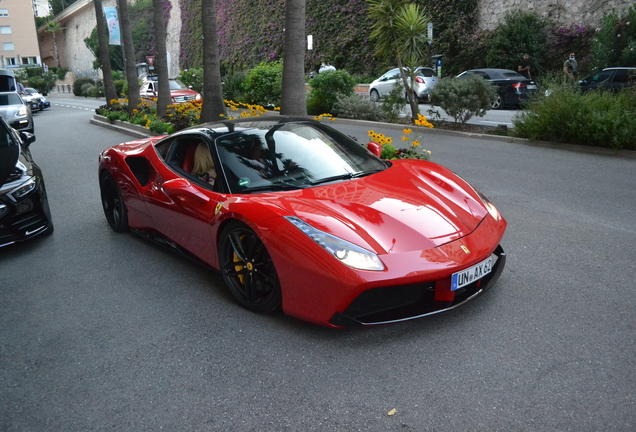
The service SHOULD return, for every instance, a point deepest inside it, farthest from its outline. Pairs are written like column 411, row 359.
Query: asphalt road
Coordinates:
column 105, row 331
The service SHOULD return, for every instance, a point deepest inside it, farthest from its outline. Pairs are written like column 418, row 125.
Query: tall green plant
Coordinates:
column 615, row 42
column 264, row 84
column 400, row 30
column 520, row 32
column 326, row 88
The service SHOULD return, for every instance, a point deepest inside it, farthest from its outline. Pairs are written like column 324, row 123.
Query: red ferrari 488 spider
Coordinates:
column 298, row 216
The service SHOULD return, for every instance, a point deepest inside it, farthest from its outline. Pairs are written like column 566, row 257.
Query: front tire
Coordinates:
column 248, row 270
column 113, row 204
column 374, row 95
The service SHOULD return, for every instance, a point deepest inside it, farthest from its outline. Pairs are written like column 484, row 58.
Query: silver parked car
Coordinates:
column 425, row 80
column 16, row 112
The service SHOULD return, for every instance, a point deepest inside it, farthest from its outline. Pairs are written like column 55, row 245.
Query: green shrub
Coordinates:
column 594, row 118
column 159, row 127
column 117, row 115
column 463, row 98
column 264, row 84
column 233, row 86
column 392, row 105
column 95, row 92
column 192, row 77
column 389, row 151
column 86, row 88
column 119, row 87
column 357, row 107
column 79, row 83
column 325, row 90
column 521, row 32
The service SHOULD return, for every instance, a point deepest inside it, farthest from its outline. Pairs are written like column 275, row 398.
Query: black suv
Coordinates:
column 614, row 79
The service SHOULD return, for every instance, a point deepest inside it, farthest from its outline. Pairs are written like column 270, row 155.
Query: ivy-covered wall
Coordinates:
column 251, row 32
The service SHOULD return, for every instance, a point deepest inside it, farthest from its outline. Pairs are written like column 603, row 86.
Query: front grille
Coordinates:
column 181, row 99
column 402, row 302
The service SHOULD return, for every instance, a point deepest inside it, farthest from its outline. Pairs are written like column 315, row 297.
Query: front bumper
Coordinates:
column 25, row 219
column 405, row 302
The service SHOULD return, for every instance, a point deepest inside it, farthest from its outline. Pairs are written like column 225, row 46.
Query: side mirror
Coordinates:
column 375, row 148
column 27, row 138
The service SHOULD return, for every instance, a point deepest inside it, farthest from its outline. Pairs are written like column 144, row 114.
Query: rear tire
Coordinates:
column 113, row 204
column 498, row 103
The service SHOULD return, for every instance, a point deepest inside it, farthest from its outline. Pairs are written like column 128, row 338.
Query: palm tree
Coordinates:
column 104, row 58
column 293, row 101
column 55, row 27
column 400, row 30
column 129, row 56
column 213, row 107
column 163, row 91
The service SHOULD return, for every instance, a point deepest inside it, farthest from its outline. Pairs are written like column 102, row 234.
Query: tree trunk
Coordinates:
column 129, row 56
column 213, row 106
column 57, row 53
column 163, row 92
column 104, row 58
column 293, row 100
column 410, row 95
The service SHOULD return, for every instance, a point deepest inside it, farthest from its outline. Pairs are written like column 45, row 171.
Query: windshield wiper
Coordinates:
column 366, row 173
column 347, row 176
column 273, row 188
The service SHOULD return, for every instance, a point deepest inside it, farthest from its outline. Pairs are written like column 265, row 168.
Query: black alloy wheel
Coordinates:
column 113, row 204
column 374, row 95
column 248, row 270
column 498, row 102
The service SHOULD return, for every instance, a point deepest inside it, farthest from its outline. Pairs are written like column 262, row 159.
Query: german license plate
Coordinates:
column 471, row 274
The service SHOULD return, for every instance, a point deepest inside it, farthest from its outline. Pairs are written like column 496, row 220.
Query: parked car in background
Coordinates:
column 24, row 206
column 16, row 111
column 179, row 92
column 31, row 101
column 425, row 80
column 512, row 87
column 613, row 79
column 41, row 101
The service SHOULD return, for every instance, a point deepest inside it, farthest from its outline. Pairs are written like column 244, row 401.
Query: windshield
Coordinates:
column 10, row 99
column 177, row 85
column 291, row 156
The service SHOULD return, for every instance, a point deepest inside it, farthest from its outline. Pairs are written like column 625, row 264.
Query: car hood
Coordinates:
column 413, row 205
column 183, row 92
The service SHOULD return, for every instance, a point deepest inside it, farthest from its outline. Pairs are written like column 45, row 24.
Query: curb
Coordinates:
column 141, row 132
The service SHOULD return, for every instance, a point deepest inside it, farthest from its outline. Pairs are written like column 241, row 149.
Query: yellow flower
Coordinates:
column 407, row 131
column 405, row 138
column 416, row 143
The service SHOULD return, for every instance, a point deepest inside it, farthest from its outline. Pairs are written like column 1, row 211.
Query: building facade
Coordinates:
column 18, row 35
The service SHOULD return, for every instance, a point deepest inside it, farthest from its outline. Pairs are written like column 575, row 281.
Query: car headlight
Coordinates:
column 22, row 111
column 197, row 97
column 489, row 206
column 347, row 253
column 22, row 190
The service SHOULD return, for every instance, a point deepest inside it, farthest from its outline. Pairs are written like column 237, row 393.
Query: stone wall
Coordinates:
column 562, row 12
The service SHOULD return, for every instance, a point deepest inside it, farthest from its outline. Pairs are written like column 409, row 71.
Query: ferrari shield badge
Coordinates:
column 465, row 249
